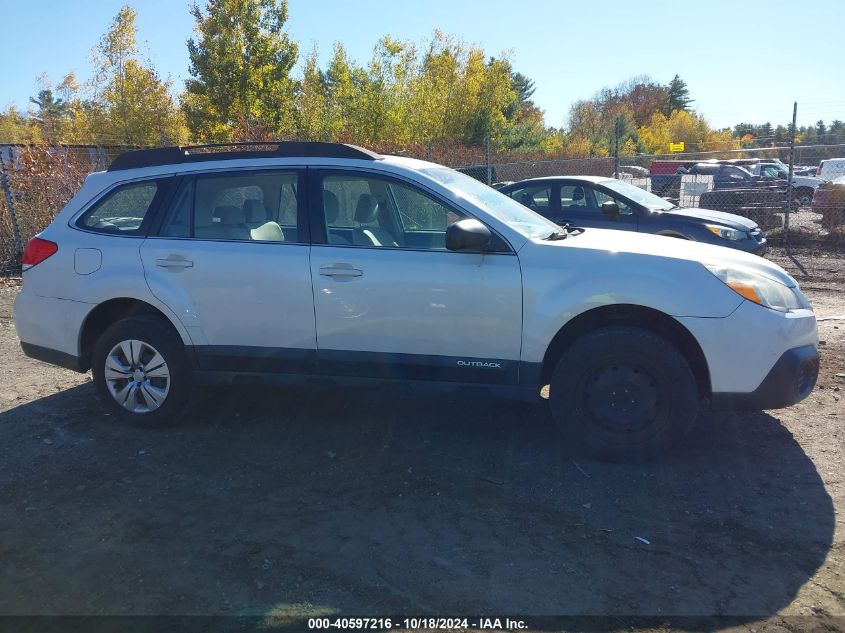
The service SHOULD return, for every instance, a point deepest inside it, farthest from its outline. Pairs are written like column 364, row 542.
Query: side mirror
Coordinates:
column 467, row 235
column 610, row 208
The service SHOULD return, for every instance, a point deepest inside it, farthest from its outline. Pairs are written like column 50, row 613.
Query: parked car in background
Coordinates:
column 803, row 187
column 831, row 169
column 735, row 189
column 830, row 202
column 175, row 269
column 666, row 177
column 598, row 202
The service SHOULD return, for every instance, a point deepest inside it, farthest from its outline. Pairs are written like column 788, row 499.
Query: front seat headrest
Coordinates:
column 365, row 211
column 255, row 211
column 230, row 215
column 578, row 193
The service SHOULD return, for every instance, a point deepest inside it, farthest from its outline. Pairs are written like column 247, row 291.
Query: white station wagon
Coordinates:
column 178, row 267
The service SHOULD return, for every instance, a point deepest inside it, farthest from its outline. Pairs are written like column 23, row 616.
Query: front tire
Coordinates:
column 623, row 394
column 803, row 197
column 141, row 371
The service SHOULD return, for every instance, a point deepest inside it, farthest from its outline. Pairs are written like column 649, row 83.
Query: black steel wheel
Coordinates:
column 623, row 394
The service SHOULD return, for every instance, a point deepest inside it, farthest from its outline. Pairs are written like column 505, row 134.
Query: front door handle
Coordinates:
column 340, row 270
column 174, row 261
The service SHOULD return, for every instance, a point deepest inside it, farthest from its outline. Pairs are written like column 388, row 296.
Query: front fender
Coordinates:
column 581, row 280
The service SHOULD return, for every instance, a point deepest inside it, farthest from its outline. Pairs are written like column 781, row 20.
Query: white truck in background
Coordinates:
column 803, row 187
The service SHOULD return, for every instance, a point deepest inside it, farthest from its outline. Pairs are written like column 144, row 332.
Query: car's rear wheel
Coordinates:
column 622, row 394
column 141, row 371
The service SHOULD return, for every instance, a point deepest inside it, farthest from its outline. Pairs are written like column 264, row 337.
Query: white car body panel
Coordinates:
column 436, row 303
column 235, row 293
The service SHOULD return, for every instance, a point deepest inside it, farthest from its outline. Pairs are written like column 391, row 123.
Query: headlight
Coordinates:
column 759, row 289
column 726, row 233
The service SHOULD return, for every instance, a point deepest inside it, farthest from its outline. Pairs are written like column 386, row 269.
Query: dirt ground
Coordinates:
column 327, row 502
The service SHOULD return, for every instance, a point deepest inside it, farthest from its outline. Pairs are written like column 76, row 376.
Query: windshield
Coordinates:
column 638, row 195
column 497, row 204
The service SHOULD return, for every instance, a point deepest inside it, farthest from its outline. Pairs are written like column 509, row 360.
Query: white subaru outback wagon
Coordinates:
column 177, row 267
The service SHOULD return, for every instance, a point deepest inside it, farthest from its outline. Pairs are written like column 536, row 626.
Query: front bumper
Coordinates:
column 756, row 244
column 790, row 380
column 742, row 349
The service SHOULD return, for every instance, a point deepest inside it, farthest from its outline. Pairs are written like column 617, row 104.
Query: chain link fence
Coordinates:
column 797, row 203
column 36, row 182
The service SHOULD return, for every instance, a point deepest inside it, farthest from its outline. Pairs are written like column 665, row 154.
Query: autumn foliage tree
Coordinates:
column 129, row 102
column 240, row 68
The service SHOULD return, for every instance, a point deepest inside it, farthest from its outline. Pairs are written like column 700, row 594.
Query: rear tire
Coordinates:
column 623, row 394
column 141, row 372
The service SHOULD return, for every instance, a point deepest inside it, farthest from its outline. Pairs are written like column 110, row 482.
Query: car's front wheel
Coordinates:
column 141, row 371
column 803, row 196
column 623, row 394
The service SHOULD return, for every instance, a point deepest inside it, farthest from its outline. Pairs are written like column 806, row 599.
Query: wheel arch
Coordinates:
column 674, row 233
column 109, row 312
column 646, row 318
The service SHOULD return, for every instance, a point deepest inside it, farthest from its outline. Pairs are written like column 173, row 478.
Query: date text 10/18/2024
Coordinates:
column 501, row 624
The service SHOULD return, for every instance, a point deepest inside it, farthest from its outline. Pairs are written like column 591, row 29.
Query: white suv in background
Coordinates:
column 177, row 268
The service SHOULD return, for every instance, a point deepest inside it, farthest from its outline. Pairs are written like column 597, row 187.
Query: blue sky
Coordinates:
column 743, row 61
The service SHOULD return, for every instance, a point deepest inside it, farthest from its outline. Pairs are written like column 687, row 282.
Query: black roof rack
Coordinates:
column 277, row 149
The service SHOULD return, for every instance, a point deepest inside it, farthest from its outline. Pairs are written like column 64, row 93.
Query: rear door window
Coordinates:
column 124, row 210
column 256, row 206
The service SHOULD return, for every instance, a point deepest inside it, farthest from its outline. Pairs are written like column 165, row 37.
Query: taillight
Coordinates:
column 37, row 250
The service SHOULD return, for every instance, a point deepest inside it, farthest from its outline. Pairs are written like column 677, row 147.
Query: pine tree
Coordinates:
column 51, row 114
column 679, row 98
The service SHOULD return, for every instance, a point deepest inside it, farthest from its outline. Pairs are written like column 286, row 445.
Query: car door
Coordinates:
column 580, row 205
column 230, row 258
column 731, row 177
column 392, row 302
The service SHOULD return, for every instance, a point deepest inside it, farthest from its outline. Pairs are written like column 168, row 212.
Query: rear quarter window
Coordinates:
column 122, row 210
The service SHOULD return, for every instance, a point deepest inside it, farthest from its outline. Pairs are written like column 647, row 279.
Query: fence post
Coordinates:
column 789, row 177
column 487, row 160
column 10, row 205
column 617, row 132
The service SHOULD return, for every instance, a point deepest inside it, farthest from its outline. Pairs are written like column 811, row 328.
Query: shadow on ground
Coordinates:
column 269, row 502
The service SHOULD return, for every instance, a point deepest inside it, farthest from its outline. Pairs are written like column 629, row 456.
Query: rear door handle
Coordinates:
column 340, row 270
column 174, row 261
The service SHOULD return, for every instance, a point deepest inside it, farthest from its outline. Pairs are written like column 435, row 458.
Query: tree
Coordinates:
column 15, row 127
column 821, row 131
column 523, row 87
column 240, row 67
column 679, row 98
column 311, row 103
column 340, row 95
column 130, row 104
column 680, row 126
column 51, row 114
